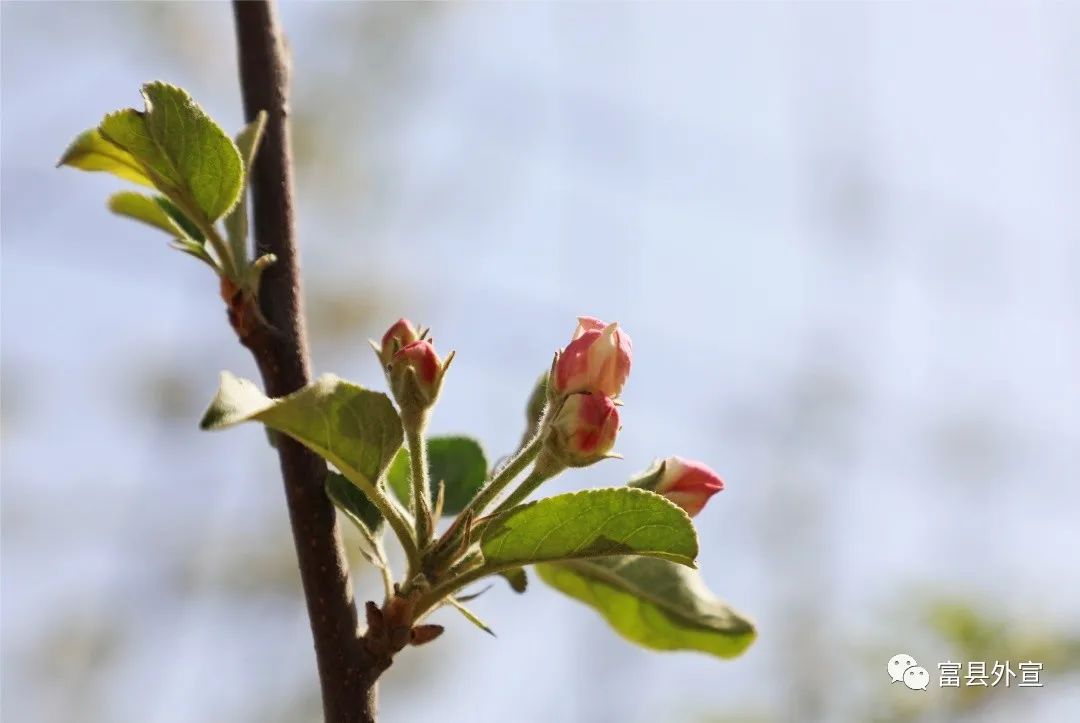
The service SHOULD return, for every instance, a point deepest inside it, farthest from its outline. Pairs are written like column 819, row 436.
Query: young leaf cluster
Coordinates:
column 196, row 174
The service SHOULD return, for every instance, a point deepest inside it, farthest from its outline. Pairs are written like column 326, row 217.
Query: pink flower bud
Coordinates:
column 397, row 337
column 687, row 483
column 416, row 375
column 597, row 360
column 421, row 357
column 584, row 429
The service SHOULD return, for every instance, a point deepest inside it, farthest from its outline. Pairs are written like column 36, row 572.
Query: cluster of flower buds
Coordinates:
column 687, row 483
column 585, row 380
column 413, row 368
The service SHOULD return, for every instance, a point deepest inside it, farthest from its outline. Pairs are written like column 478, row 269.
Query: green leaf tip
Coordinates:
column 145, row 209
column 654, row 603
column 516, row 577
column 91, row 151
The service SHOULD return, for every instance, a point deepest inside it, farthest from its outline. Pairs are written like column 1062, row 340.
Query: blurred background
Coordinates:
column 844, row 239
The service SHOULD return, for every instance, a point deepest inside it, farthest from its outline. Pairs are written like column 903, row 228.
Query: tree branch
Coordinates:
column 347, row 671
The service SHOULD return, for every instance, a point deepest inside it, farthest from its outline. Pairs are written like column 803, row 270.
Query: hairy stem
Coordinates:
column 418, row 465
column 347, row 671
column 509, row 471
column 545, row 469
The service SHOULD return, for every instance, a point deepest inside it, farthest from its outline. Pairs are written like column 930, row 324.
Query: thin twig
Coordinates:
column 346, row 672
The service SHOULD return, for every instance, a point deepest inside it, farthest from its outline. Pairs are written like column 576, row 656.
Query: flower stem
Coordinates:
column 545, row 469
column 397, row 518
column 418, row 464
column 509, row 471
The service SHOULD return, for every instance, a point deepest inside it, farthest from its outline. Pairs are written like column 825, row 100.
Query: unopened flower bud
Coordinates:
column 416, row 375
column 584, row 430
column 597, row 360
column 687, row 483
column 397, row 337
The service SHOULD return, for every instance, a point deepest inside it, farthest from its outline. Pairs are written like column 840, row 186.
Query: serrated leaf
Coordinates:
column 470, row 615
column 654, row 603
column 593, row 523
column 145, row 209
column 202, row 153
column 355, row 429
column 236, row 222
column 127, row 129
column 517, row 578
column 91, row 151
column 355, row 505
column 184, row 151
column 458, row 461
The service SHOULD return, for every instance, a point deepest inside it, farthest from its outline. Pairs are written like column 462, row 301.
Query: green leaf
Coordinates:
column 192, row 248
column 236, row 222
column 654, row 603
column 185, row 152
column 355, row 429
column 91, row 151
column 143, row 208
column 159, row 212
column 127, row 129
column 180, row 219
column 458, row 461
column 355, row 505
column 517, row 578
column 593, row 523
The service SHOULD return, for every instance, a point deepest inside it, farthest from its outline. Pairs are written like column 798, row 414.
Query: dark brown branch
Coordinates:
column 347, row 672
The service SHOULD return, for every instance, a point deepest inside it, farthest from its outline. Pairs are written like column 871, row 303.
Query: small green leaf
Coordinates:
column 143, row 208
column 517, row 578
column 593, row 523
column 654, row 603
column 470, row 615
column 236, row 222
column 348, row 498
column 355, row 429
column 91, row 151
column 186, row 153
column 458, row 461
column 203, row 154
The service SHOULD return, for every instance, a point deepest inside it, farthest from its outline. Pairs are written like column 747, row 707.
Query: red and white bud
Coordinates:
column 597, row 360
column 396, row 338
column 584, row 430
column 416, row 375
column 687, row 483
